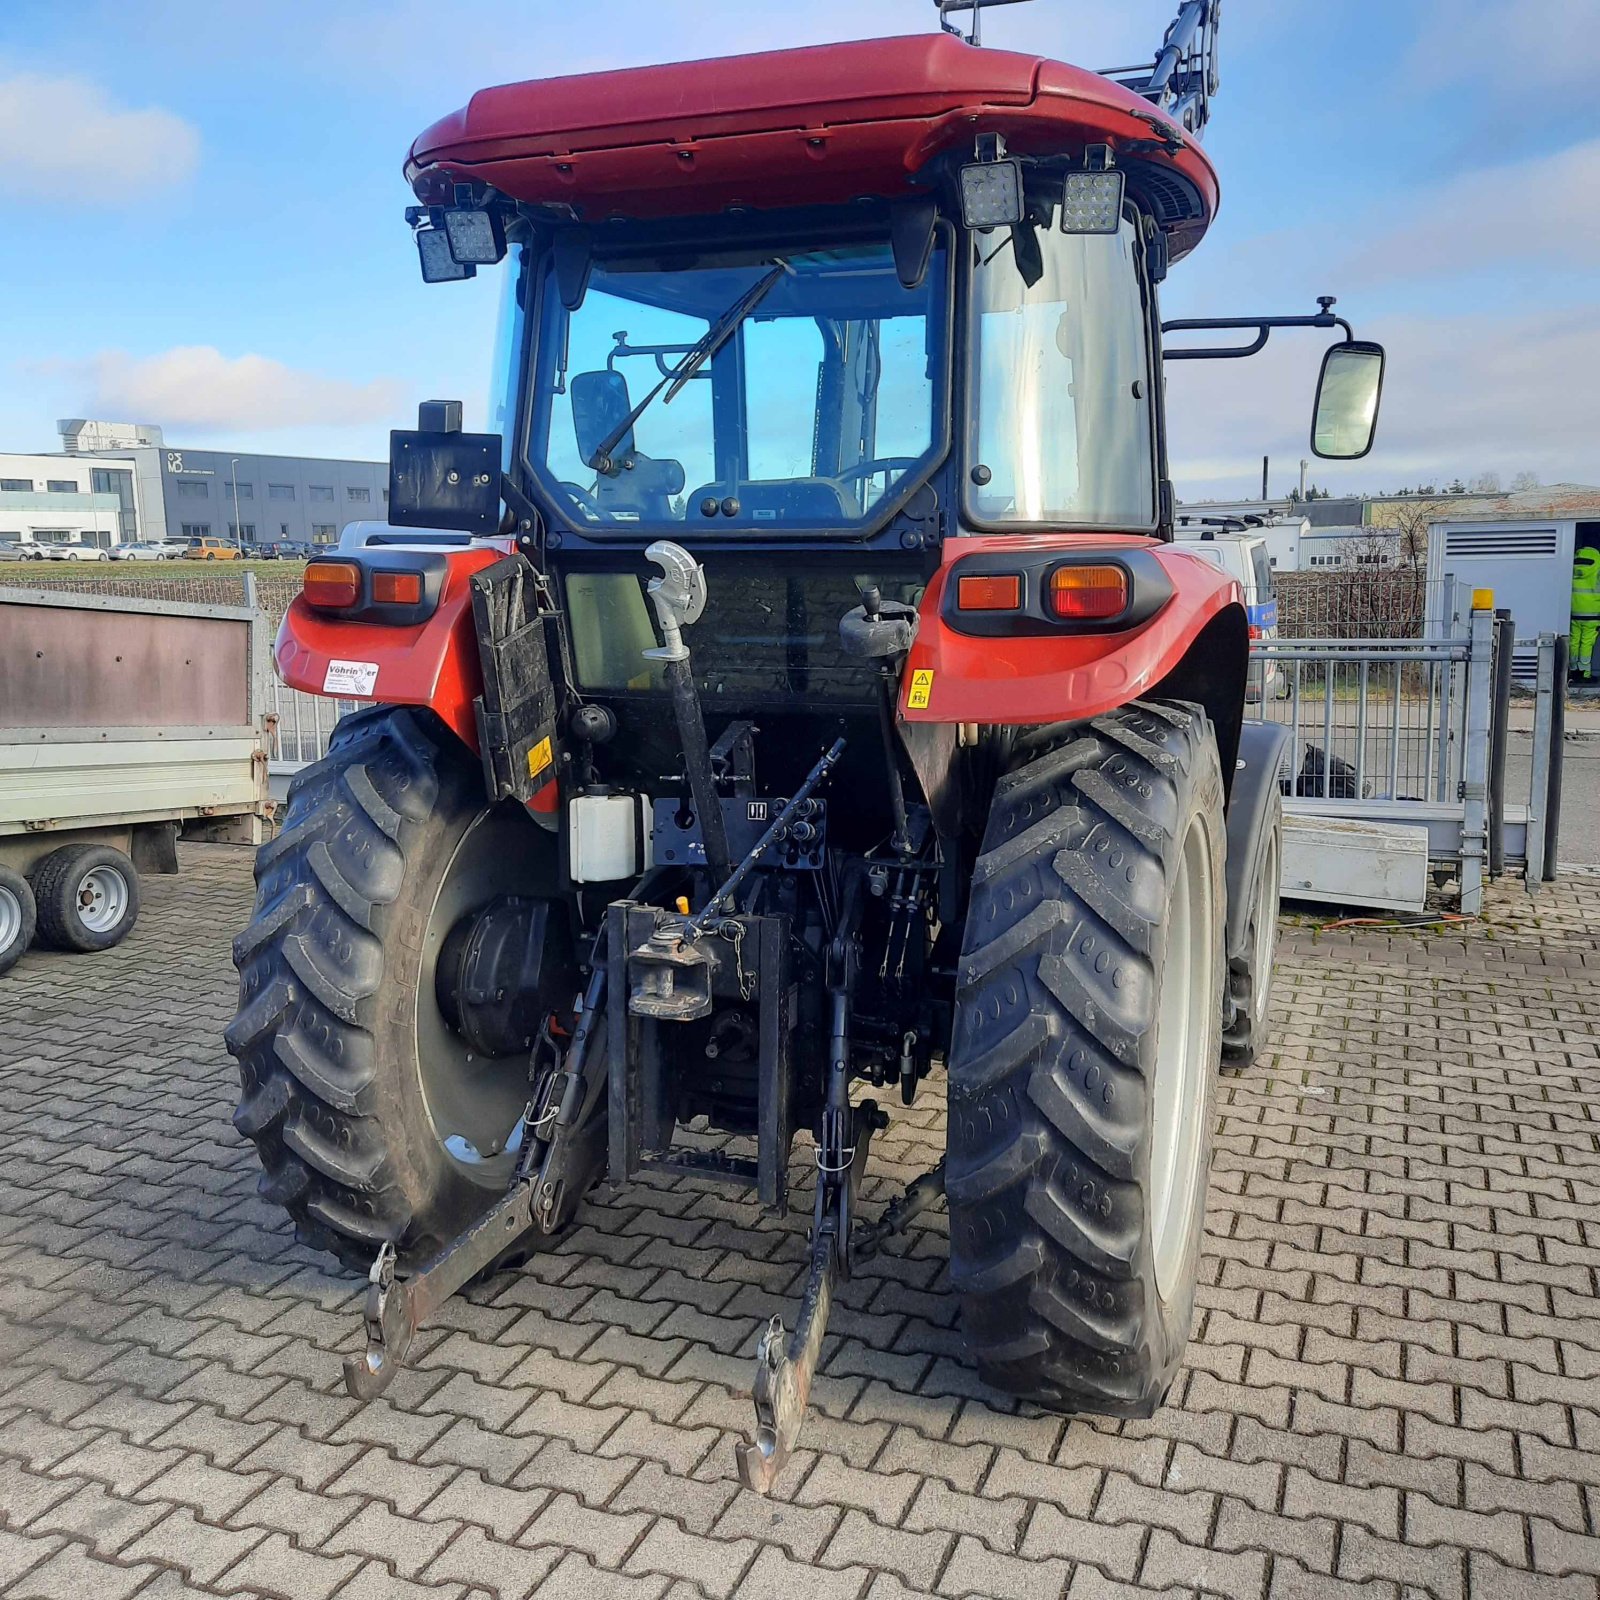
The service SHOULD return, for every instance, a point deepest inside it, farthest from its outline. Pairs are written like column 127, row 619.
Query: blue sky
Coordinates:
column 204, row 211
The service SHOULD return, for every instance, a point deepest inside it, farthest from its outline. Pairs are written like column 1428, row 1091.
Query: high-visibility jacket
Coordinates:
column 1586, row 583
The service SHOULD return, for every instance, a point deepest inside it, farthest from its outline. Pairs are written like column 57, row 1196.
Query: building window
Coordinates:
column 197, row 530
column 321, row 491
column 385, row 494
column 324, row 532
column 7, row 536
column 16, row 485
column 191, row 488
column 52, row 535
column 246, row 491
column 360, row 496
column 62, row 486
column 242, row 532
column 280, row 491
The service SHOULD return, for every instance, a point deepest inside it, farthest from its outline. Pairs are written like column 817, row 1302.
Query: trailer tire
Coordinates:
column 1088, row 1010
column 1250, row 971
column 18, row 917
column 351, row 1082
column 87, row 897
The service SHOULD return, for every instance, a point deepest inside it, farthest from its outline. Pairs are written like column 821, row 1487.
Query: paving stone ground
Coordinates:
column 1393, row 1389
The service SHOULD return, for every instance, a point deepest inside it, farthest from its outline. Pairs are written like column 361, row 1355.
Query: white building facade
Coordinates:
column 49, row 499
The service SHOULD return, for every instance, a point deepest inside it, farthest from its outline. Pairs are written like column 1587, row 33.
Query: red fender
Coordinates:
column 433, row 664
column 1038, row 678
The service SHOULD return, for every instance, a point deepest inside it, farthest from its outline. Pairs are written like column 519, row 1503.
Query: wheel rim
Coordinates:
column 10, row 919
column 1266, row 929
column 1181, row 1036
column 102, row 899
column 474, row 1102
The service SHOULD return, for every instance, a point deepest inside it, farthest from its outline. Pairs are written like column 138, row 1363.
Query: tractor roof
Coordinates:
column 812, row 126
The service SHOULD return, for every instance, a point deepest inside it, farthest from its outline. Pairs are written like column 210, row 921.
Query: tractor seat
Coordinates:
column 787, row 500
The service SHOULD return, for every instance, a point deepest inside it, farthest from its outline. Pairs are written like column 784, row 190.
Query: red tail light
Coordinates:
column 989, row 591
column 397, row 588
column 1087, row 593
column 331, row 585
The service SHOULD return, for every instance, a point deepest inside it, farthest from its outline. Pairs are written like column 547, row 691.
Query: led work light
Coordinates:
column 991, row 186
column 477, row 238
column 1091, row 202
column 438, row 264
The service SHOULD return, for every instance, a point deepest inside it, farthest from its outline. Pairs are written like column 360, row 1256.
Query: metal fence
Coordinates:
column 1413, row 730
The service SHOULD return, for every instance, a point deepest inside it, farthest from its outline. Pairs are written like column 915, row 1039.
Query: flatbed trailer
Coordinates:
column 123, row 723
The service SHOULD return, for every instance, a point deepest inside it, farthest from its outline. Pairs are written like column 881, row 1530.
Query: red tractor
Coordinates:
column 866, row 726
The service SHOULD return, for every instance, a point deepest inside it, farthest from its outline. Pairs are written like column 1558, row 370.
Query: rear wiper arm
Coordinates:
column 704, row 348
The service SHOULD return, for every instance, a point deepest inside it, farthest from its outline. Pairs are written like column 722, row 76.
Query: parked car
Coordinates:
column 73, row 552
column 19, row 552
column 147, row 550
column 283, row 550
column 211, row 550
column 1244, row 556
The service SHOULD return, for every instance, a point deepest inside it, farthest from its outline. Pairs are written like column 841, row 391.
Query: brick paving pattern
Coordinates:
column 1393, row 1391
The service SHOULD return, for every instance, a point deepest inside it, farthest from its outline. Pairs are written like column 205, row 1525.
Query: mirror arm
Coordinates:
column 1263, row 327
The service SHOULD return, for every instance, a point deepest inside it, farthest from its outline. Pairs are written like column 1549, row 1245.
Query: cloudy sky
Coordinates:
column 204, row 211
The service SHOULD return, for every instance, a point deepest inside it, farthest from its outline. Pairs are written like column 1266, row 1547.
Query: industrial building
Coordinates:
column 49, row 499
column 116, row 482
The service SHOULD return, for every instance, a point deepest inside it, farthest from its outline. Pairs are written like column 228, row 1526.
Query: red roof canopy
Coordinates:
column 792, row 127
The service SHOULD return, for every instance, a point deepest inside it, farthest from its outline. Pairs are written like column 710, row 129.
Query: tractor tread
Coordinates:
column 1052, row 1056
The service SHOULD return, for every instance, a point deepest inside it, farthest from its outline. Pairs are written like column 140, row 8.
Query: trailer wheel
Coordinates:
column 1250, row 971
column 88, row 897
column 18, row 917
column 374, row 1119
column 1084, row 1055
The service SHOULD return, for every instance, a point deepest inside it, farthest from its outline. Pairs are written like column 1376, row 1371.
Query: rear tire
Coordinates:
column 88, row 898
column 373, row 1120
column 1250, row 971
column 1088, row 1009
column 18, row 917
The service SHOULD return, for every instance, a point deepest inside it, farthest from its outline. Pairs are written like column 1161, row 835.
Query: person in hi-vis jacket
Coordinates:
column 1585, row 610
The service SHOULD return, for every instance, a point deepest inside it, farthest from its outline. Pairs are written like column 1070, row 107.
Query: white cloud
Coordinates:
column 1511, row 47
column 1541, row 209
column 198, row 390
column 1461, row 395
column 64, row 140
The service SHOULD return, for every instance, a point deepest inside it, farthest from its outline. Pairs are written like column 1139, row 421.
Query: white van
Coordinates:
column 1242, row 555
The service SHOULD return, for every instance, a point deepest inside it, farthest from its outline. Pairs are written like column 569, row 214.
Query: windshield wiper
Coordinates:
column 711, row 341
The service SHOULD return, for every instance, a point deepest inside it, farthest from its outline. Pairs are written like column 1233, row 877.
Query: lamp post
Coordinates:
column 238, row 526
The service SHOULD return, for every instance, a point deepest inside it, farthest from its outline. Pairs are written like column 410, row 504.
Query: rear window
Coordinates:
column 1263, row 570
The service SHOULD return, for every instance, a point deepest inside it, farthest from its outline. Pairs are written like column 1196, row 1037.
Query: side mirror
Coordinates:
column 1349, row 388
column 600, row 405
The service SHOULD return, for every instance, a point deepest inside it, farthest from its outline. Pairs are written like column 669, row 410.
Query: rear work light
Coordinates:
column 1087, row 593
column 332, row 585
column 989, row 591
column 397, row 588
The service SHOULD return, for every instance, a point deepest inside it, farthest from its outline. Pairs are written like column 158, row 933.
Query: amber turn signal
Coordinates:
column 989, row 591
column 332, row 585
column 397, row 588
column 1087, row 594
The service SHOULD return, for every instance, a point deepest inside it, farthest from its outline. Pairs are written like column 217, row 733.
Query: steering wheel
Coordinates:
column 584, row 501
column 870, row 469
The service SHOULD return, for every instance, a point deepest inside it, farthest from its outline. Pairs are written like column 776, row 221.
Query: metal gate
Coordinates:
column 1414, row 731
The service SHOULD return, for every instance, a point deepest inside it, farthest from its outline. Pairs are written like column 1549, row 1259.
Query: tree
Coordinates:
column 1486, row 483
column 1525, row 480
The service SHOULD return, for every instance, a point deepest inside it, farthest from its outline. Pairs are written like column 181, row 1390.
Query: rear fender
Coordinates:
column 433, row 664
column 1041, row 677
column 1255, row 782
